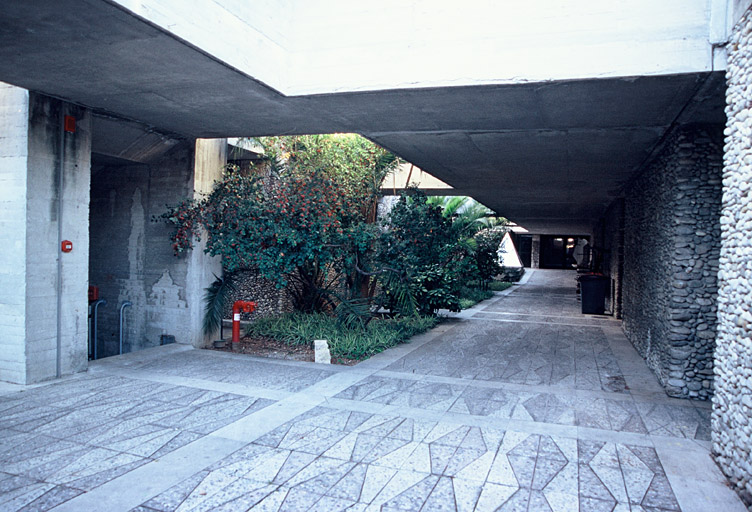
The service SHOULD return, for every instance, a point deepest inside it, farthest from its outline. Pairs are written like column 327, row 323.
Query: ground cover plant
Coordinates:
column 499, row 286
column 470, row 296
column 344, row 341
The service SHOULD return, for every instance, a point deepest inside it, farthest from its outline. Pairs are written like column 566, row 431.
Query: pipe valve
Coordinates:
column 245, row 306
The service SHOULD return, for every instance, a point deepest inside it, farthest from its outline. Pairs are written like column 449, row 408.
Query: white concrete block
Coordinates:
column 321, row 352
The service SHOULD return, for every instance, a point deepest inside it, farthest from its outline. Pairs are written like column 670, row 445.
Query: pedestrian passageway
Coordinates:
column 521, row 403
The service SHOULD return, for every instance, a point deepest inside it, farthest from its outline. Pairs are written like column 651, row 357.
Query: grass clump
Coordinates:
column 469, row 297
column 344, row 341
column 499, row 286
column 471, row 294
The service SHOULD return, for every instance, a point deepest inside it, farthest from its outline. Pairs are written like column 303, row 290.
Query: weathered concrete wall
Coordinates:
column 671, row 250
column 131, row 258
column 48, row 208
column 14, row 129
column 44, row 290
column 732, row 404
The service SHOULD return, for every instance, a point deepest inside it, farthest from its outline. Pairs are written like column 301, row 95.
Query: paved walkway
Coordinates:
column 520, row 403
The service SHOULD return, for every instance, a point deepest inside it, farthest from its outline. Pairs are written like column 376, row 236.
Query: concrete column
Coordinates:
column 535, row 252
column 612, row 226
column 14, row 130
column 211, row 157
column 43, row 302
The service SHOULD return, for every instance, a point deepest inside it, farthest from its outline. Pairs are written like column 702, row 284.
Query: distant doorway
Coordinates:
column 559, row 251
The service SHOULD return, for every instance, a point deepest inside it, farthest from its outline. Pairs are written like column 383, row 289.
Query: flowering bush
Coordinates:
column 305, row 228
column 306, row 219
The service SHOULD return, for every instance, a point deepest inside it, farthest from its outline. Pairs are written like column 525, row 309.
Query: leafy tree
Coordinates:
column 358, row 167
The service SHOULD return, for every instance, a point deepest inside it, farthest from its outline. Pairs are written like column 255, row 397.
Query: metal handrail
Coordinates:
column 124, row 305
column 94, row 310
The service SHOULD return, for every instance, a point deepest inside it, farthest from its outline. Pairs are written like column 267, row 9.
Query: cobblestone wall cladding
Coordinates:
column 613, row 247
column 270, row 300
column 732, row 404
column 671, row 251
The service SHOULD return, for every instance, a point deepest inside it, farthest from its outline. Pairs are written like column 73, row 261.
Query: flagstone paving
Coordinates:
column 519, row 404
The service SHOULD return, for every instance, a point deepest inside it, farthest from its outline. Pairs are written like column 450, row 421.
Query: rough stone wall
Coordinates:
column 732, row 403
column 671, row 251
column 270, row 300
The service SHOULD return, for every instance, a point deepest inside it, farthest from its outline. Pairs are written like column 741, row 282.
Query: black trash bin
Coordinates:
column 593, row 289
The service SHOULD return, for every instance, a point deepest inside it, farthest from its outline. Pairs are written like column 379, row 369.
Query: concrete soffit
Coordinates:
column 300, row 48
column 694, row 113
column 129, row 140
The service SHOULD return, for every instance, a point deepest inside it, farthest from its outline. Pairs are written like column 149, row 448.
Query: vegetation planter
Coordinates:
column 220, row 343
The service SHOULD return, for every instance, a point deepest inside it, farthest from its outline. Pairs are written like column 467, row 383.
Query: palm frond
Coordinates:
column 402, row 297
column 215, row 297
column 450, row 205
column 354, row 312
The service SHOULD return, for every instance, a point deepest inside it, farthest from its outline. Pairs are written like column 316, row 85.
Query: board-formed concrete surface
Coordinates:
column 520, row 403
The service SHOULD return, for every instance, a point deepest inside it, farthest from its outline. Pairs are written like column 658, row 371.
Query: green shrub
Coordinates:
column 344, row 342
column 423, row 254
column 486, row 253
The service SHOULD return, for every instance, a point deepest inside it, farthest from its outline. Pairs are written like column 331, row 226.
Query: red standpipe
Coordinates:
column 246, row 306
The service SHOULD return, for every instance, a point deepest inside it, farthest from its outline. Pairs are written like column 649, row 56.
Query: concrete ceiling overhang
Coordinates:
column 546, row 154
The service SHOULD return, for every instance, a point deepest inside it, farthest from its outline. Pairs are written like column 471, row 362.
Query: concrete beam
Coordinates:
column 532, row 148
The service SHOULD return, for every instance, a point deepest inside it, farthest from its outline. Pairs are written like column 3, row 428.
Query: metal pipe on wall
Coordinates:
column 60, row 187
column 124, row 305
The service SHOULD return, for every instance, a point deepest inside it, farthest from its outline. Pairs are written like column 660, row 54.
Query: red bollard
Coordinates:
column 245, row 306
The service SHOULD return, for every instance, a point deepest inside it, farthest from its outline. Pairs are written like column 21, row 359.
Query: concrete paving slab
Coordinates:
column 547, row 410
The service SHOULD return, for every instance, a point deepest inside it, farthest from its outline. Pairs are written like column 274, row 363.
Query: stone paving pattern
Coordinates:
column 519, row 404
